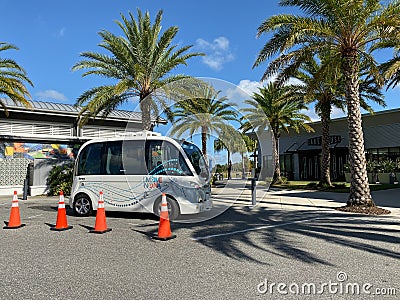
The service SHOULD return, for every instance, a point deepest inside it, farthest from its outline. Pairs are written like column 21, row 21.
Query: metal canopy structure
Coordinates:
column 58, row 123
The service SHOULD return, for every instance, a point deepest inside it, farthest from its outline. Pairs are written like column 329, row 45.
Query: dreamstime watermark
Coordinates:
column 340, row 286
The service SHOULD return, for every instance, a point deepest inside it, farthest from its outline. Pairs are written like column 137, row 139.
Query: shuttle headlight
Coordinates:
column 194, row 185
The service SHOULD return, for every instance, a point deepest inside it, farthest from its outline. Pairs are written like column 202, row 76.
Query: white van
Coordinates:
column 134, row 171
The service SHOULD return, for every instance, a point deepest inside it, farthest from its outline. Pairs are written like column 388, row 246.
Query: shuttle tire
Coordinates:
column 82, row 205
column 173, row 208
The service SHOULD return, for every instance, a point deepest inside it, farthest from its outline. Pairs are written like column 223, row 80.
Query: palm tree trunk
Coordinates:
column 277, row 168
column 360, row 194
column 243, row 167
column 325, row 179
column 145, row 109
column 204, row 140
column 229, row 165
column 255, row 155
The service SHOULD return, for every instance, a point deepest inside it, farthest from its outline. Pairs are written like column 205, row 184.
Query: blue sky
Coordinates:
column 52, row 33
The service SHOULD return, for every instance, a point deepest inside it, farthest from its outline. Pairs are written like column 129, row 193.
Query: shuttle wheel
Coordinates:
column 173, row 208
column 82, row 205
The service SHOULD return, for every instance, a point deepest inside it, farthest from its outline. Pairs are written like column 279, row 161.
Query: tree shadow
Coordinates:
column 132, row 215
column 237, row 234
column 387, row 198
column 327, row 196
column 51, row 208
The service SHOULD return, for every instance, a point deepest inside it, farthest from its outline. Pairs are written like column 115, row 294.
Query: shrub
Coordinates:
column 372, row 167
column 312, row 185
column 388, row 166
column 60, row 179
column 213, row 179
column 339, row 185
column 281, row 180
column 284, row 180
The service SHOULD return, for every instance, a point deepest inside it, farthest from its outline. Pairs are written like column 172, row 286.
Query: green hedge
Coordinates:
column 60, row 179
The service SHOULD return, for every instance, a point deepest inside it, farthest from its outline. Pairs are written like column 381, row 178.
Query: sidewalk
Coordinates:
column 238, row 194
column 30, row 198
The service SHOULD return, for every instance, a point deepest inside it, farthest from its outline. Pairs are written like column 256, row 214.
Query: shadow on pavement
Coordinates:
column 282, row 231
column 132, row 215
column 387, row 198
column 87, row 227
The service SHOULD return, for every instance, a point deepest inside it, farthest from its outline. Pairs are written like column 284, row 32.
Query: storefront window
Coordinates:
column 382, row 154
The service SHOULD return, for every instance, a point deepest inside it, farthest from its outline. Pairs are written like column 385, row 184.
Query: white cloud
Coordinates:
column 244, row 89
column 217, row 52
column 51, row 95
column 222, row 43
column 61, row 32
column 335, row 113
column 248, row 87
column 311, row 113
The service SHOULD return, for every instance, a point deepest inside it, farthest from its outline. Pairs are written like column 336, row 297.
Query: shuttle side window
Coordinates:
column 90, row 160
column 163, row 158
column 134, row 157
column 113, row 160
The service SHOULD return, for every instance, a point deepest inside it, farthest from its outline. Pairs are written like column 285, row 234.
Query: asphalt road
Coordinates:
column 237, row 255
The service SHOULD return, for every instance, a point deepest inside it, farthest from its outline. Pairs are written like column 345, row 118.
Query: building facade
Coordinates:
column 300, row 154
column 33, row 139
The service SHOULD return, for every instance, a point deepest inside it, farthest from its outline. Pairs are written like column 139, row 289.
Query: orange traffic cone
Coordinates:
column 15, row 219
column 101, row 224
column 61, row 223
column 164, row 228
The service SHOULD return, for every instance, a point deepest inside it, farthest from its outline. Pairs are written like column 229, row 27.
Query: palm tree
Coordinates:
column 235, row 142
column 391, row 68
column 12, row 80
column 139, row 61
column 348, row 31
column 219, row 146
column 206, row 112
column 243, row 144
column 324, row 85
column 277, row 109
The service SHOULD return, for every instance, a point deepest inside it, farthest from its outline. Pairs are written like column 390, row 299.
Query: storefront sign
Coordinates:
column 317, row 141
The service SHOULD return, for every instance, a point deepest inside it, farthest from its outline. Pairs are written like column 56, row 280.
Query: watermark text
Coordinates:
column 340, row 286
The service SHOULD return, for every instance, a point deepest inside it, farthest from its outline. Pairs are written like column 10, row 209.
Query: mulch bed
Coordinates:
column 368, row 210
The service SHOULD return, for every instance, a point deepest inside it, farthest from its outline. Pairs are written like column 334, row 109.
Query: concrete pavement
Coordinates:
column 237, row 194
column 290, row 237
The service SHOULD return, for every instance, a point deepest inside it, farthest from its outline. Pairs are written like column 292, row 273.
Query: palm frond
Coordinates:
column 140, row 61
column 13, row 80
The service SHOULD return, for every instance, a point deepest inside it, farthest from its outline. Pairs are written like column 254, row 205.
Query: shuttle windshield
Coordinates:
column 197, row 159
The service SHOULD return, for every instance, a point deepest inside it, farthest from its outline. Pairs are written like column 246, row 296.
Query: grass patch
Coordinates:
column 338, row 187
